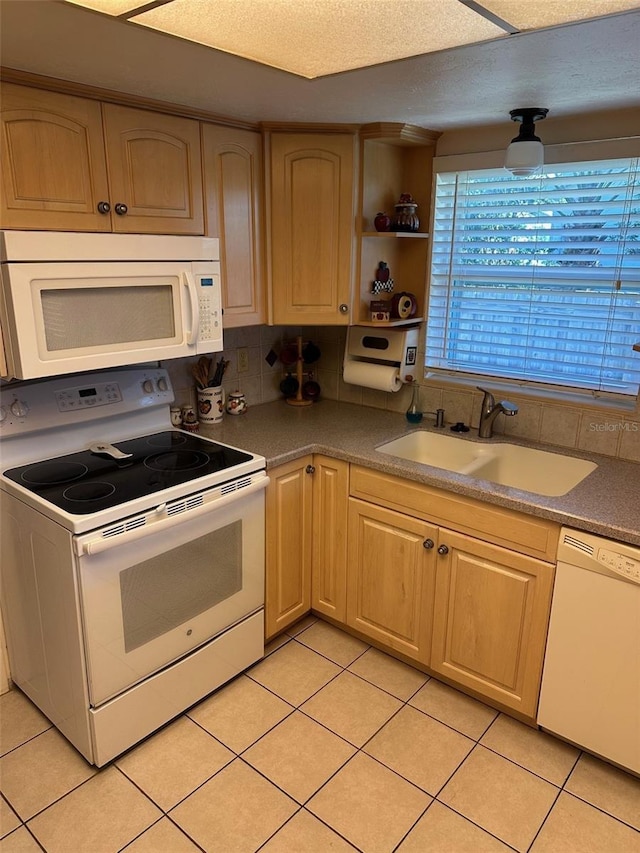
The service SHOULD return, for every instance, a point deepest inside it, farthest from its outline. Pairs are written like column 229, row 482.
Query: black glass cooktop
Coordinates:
column 86, row 482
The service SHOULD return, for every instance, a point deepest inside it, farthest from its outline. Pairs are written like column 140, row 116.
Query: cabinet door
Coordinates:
column 288, row 563
column 233, row 180
column 490, row 622
column 311, row 227
column 390, row 578
column 329, row 561
column 155, row 171
column 53, row 165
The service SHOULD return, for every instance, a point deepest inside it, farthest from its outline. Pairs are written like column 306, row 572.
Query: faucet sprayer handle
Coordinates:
column 509, row 408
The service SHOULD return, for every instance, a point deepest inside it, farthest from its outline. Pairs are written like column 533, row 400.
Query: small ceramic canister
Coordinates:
column 211, row 404
column 236, row 403
column 189, row 420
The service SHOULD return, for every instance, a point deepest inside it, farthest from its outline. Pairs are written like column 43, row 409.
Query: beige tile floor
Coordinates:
column 325, row 746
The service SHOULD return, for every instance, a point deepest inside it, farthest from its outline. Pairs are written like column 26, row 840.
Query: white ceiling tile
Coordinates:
column 529, row 15
column 110, row 7
column 314, row 39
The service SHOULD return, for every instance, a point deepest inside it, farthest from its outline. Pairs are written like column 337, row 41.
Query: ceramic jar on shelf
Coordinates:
column 405, row 217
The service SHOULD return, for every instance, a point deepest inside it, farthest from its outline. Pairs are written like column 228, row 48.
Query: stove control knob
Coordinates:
column 3, row 414
column 162, row 384
column 147, row 386
column 19, row 409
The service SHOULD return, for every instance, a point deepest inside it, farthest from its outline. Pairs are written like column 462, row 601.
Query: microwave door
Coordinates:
column 71, row 317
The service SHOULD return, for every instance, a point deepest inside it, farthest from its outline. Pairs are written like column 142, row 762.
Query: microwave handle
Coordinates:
column 95, row 546
column 189, row 283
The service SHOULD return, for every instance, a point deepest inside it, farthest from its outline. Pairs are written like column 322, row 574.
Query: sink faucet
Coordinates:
column 490, row 411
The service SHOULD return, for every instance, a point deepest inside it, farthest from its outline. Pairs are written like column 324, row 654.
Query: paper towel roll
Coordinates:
column 382, row 377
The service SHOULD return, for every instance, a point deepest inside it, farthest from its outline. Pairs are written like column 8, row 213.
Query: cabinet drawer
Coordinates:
column 536, row 537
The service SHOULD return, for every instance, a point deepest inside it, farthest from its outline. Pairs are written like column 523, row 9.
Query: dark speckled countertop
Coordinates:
column 606, row 502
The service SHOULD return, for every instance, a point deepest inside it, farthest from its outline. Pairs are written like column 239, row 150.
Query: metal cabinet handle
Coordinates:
column 343, row 308
column 310, row 469
column 121, row 208
column 443, row 549
column 104, row 207
column 428, row 544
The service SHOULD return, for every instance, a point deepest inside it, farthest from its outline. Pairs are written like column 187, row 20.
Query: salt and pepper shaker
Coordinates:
column 189, row 420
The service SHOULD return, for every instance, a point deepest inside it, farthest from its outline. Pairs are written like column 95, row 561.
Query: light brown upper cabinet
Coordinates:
column 72, row 164
column 54, row 171
column 310, row 227
column 155, row 171
column 233, row 185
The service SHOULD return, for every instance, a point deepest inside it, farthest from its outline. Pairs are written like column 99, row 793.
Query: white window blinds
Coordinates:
column 538, row 278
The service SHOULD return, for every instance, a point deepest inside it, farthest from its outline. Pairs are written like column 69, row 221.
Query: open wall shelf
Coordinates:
column 394, row 159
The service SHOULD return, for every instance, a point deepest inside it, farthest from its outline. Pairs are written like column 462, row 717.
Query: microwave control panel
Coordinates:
column 210, row 307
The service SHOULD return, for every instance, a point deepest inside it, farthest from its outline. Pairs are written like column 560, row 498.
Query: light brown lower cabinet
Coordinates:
column 288, row 542
column 490, row 620
column 306, row 512
column 329, row 550
column 390, row 583
column 473, row 611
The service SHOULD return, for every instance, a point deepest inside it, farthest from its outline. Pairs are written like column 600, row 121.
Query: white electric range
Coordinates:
column 132, row 556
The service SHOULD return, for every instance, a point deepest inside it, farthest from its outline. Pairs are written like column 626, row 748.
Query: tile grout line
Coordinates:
column 460, row 814
column 600, row 809
column 32, row 737
column 544, row 820
column 57, row 799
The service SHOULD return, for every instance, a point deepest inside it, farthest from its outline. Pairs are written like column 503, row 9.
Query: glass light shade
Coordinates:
column 524, row 157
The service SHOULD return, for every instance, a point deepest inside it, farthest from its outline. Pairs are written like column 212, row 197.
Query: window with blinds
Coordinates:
column 538, row 278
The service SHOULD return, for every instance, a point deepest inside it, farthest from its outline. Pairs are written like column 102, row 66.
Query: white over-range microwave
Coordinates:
column 76, row 302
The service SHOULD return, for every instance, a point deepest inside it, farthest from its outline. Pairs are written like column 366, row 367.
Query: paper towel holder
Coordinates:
column 397, row 348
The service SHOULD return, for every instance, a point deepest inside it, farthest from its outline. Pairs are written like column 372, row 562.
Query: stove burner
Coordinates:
column 166, row 439
column 53, row 473
column 83, row 492
column 177, row 460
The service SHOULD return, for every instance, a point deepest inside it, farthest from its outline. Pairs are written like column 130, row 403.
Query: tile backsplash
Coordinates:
column 555, row 423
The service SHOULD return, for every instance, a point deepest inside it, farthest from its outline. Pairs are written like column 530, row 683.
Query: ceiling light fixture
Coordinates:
column 525, row 154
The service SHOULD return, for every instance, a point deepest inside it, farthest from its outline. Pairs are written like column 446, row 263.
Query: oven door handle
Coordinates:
column 189, row 283
column 90, row 546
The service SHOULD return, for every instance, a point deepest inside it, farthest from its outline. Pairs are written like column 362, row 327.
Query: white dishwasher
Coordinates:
column 591, row 681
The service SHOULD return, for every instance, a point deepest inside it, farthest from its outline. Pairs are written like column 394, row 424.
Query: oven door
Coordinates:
column 150, row 597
